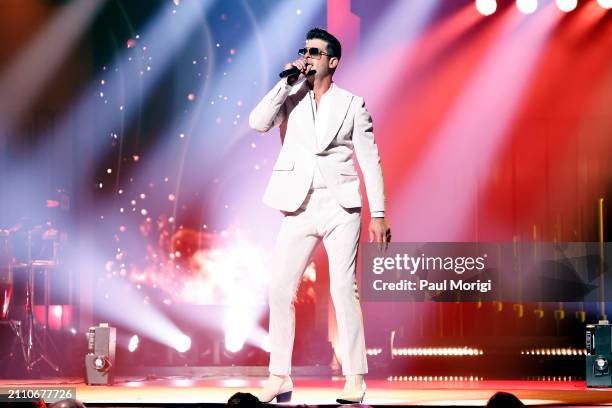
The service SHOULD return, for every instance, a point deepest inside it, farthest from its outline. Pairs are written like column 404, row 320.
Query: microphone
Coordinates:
column 293, row 71
column 290, row 72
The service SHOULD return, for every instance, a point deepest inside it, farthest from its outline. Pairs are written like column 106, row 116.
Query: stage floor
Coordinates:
column 323, row 391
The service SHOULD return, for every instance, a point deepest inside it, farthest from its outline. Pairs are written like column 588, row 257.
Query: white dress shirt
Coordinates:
column 320, row 117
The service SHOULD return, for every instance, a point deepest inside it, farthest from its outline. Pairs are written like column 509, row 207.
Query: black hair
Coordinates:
column 334, row 49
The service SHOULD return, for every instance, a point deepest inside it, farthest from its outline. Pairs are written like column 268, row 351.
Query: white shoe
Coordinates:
column 354, row 390
column 277, row 386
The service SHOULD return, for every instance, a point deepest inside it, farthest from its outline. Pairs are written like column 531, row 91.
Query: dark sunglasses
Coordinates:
column 314, row 52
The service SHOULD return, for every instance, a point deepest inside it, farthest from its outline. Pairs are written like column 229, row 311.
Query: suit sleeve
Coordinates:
column 270, row 111
column 369, row 160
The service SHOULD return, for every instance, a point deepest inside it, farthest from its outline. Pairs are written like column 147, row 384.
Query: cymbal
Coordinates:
column 8, row 231
column 43, row 263
column 19, row 265
column 38, row 264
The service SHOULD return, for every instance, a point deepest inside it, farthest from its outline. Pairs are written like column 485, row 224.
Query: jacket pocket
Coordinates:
column 283, row 164
column 348, row 170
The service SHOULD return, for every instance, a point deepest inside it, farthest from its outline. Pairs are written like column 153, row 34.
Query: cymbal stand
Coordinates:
column 32, row 355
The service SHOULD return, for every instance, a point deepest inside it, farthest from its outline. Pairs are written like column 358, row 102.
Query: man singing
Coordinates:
column 315, row 184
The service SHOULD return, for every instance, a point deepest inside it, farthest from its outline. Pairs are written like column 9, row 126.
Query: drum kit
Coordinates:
column 25, row 252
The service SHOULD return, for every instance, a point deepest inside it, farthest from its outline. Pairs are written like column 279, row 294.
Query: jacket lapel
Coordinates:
column 340, row 103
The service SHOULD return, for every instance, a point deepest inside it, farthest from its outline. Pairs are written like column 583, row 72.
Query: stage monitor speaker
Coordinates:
column 100, row 358
column 599, row 354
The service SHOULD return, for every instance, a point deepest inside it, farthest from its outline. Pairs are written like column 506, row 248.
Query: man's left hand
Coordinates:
column 380, row 232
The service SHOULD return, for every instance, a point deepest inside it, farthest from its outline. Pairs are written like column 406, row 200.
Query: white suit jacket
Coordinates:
column 349, row 130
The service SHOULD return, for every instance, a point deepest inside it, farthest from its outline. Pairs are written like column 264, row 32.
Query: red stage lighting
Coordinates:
column 486, row 7
column 527, row 6
column 607, row 4
column 566, row 5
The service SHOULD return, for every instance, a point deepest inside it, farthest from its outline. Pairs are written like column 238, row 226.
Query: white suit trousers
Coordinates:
column 319, row 218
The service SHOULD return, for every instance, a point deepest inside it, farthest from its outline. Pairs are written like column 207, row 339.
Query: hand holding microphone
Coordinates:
column 296, row 70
